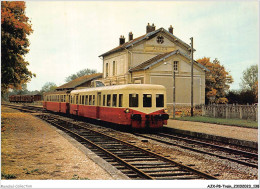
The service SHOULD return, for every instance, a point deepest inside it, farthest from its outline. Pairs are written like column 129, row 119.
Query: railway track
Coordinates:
column 133, row 161
column 246, row 158
column 157, row 169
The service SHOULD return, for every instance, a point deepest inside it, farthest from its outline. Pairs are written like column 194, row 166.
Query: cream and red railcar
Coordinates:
column 57, row 101
column 138, row 106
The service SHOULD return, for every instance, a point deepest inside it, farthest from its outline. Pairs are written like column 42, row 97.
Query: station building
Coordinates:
column 151, row 59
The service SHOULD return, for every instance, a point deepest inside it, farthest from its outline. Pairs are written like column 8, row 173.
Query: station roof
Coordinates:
column 149, row 63
column 79, row 81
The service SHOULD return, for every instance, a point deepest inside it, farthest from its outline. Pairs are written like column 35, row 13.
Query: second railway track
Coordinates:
column 246, row 158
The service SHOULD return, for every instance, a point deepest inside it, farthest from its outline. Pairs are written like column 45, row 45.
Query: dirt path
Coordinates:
column 31, row 150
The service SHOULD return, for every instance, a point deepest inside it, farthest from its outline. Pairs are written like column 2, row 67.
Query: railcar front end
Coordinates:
column 136, row 105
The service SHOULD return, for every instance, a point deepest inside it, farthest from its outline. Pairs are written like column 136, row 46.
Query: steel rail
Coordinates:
column 200, row 151
column 211, row 145
column 156, row 155
column 139, row 172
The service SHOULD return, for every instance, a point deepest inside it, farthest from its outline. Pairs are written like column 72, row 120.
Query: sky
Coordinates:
column 70, row 35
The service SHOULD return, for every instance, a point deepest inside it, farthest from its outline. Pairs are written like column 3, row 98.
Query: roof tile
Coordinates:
column 80, row 80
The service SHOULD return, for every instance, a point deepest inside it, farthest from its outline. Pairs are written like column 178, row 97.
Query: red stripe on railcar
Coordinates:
column 118, row 116
column 52, row 106
column 148, row 120
column 64, row 107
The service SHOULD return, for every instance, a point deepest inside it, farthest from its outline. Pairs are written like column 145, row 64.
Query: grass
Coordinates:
column 29, row 172
column 7, row 176
column 222, row 121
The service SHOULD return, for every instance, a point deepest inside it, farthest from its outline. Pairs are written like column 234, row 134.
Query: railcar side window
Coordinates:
column 114, row 100
column 86, row 102
column 90, row 100
column 108, row 100
column 147, row 100
column 94, row 98
column 159, row 100
column 61, row 98
column 104, row 100
column 133, row 100
column 77, row 99
column 83, row 99
column 120, row 100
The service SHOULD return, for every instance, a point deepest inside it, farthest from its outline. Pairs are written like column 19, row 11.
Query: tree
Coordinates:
column 217, row 81
column 250, row 78
column 14, row 43
column 80, row 74
column 249, row 83
column 47, row 87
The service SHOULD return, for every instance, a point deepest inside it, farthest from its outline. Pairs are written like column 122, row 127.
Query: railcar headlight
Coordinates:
column 165, row 110
column 127, row 110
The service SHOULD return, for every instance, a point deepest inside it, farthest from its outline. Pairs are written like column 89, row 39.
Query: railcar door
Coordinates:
column 98, row 105
column 67, row 104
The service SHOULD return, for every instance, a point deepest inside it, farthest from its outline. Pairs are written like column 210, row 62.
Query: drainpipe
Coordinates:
column 102, row 66
column 131, row 58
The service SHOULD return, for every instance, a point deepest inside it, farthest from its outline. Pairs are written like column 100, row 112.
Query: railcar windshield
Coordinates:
column 159, row 100
column 147, row 100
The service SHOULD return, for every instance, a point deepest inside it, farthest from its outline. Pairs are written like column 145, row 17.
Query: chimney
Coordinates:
column 131, row 36
column 153, row 27
column 150, row 28
column 121, row 40
column 171, row 29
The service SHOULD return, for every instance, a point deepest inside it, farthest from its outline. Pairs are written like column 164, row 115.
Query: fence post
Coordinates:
column 227, row 111
column 240, row 112
column 214, row 110
column 203, row 109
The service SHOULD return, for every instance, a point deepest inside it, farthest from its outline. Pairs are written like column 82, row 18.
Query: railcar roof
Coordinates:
column 56, row 92
column 122, row 87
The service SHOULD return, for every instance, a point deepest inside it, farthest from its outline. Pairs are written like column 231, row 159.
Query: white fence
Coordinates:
column 231, row 111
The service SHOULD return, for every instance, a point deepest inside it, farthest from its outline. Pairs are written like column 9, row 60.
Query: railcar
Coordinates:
column 25, row 98
column 135, row 105
column 57, row 101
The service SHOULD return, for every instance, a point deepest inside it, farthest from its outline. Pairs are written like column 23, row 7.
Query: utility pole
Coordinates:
column 173, row 74
column 191, row 111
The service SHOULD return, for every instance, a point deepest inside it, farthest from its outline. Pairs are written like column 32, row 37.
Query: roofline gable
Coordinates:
column 141, row 38
column 163, row 58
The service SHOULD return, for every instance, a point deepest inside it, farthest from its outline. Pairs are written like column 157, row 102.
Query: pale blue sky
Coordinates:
column 69, row 36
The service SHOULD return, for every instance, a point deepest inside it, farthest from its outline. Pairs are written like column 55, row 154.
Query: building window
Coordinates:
column 106, row 69
column 114, row 67
column 175, row 66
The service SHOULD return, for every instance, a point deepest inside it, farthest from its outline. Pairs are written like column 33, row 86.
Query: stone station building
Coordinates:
column 151, row 59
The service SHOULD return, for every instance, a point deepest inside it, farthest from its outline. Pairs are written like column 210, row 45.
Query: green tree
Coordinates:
column 80, row 74
column 217, row 81
column 15, row 28
column 249, row 83
column 47, row 87
column 250, row 77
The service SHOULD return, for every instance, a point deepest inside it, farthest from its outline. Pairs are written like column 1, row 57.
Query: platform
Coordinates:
column 247, row 137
